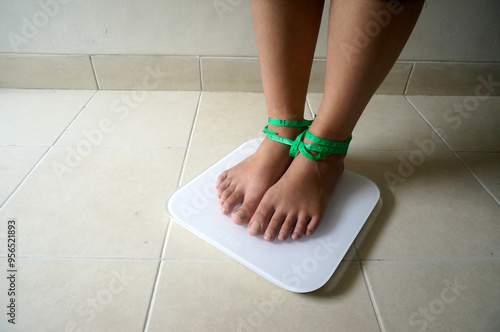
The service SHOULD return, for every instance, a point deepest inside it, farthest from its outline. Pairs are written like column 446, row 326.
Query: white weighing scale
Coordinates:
column 298, row 266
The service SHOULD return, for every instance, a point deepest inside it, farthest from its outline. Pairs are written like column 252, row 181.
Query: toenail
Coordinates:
column 255, row 227
column 281, row 237
column 268, row 237
column 295, row 236
column 241, row 215
column 224, row 210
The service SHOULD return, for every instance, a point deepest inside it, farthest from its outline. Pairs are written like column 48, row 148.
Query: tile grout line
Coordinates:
column 410, row 75
column 455, row 154
column 433, row 259
column 84, row 257
column 308, row 102
column 118, row 146
column 153, row 293
column 46, row 152
column 24, row 178
column 75, row 118
column 372, row 298
column 476, row 177
column 25, row 145
column 402, row 260
column 428, row 123
column 201, row 74
column 190, row 139
column 164, row 246
column 92, row 64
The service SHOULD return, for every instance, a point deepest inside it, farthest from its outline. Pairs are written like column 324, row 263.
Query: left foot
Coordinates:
column 298, row 200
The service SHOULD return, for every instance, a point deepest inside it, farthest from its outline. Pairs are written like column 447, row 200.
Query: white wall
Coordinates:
column 448, row 30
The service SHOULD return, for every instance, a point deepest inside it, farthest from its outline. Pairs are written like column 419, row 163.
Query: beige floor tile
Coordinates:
column 15, row 164
column 228, row 119
column 108, row 203
column 199, row 159
column 225, row 296
column 452, row 79
column 486, row 167
column 226, row 74
column 432, row 210
column 407, row 128
column 147, row 72
column 436, row 295
column 468, row 123
column 38, row 117
column 46, row 72
column 182, row 244
column 134, row 118
column 80, row 295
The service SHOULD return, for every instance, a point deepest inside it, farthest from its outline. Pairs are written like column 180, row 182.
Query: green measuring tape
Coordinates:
column 284, row 123
column 323, row 147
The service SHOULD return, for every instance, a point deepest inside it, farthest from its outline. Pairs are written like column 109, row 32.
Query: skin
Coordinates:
column 280, row 195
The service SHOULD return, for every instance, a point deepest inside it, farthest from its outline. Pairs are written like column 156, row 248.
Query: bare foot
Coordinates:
column 298, row 200
column 248, row 181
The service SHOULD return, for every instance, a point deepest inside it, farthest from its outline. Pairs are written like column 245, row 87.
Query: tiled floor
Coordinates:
column 85, row 174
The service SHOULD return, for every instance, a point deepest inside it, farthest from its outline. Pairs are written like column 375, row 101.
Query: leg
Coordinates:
column 354, row 72
column 286, row 34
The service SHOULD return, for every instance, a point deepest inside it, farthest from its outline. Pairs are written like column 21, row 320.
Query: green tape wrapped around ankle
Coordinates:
column 272, row 136
column 284, row 123
column 323, row 147
column 289, row 123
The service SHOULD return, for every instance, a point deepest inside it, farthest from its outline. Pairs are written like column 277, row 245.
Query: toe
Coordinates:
column 287, row 227
column 229, row 203
column 312, row 226
column 274, row 226
column 260, row 220
column 226, row 193
column 223, row 187
column 300, row 228
column 221, row 178
column 243, row 214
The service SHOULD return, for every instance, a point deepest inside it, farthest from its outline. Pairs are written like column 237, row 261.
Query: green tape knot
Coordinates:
column 323, row 147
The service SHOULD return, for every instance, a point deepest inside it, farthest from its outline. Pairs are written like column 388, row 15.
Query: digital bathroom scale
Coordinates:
column 298, row 266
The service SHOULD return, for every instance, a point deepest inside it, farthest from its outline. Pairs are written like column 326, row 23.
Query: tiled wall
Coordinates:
column 222, row 74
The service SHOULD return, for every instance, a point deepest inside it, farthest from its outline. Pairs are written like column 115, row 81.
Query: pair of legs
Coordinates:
column 283, row 196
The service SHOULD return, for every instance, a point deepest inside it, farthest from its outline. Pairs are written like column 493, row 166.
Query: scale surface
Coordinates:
column 298, row 266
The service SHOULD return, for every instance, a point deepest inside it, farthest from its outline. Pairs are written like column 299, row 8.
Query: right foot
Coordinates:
column 247, row 182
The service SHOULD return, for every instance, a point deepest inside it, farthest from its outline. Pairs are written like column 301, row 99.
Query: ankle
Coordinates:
column 329, row 133
column 288, row 132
